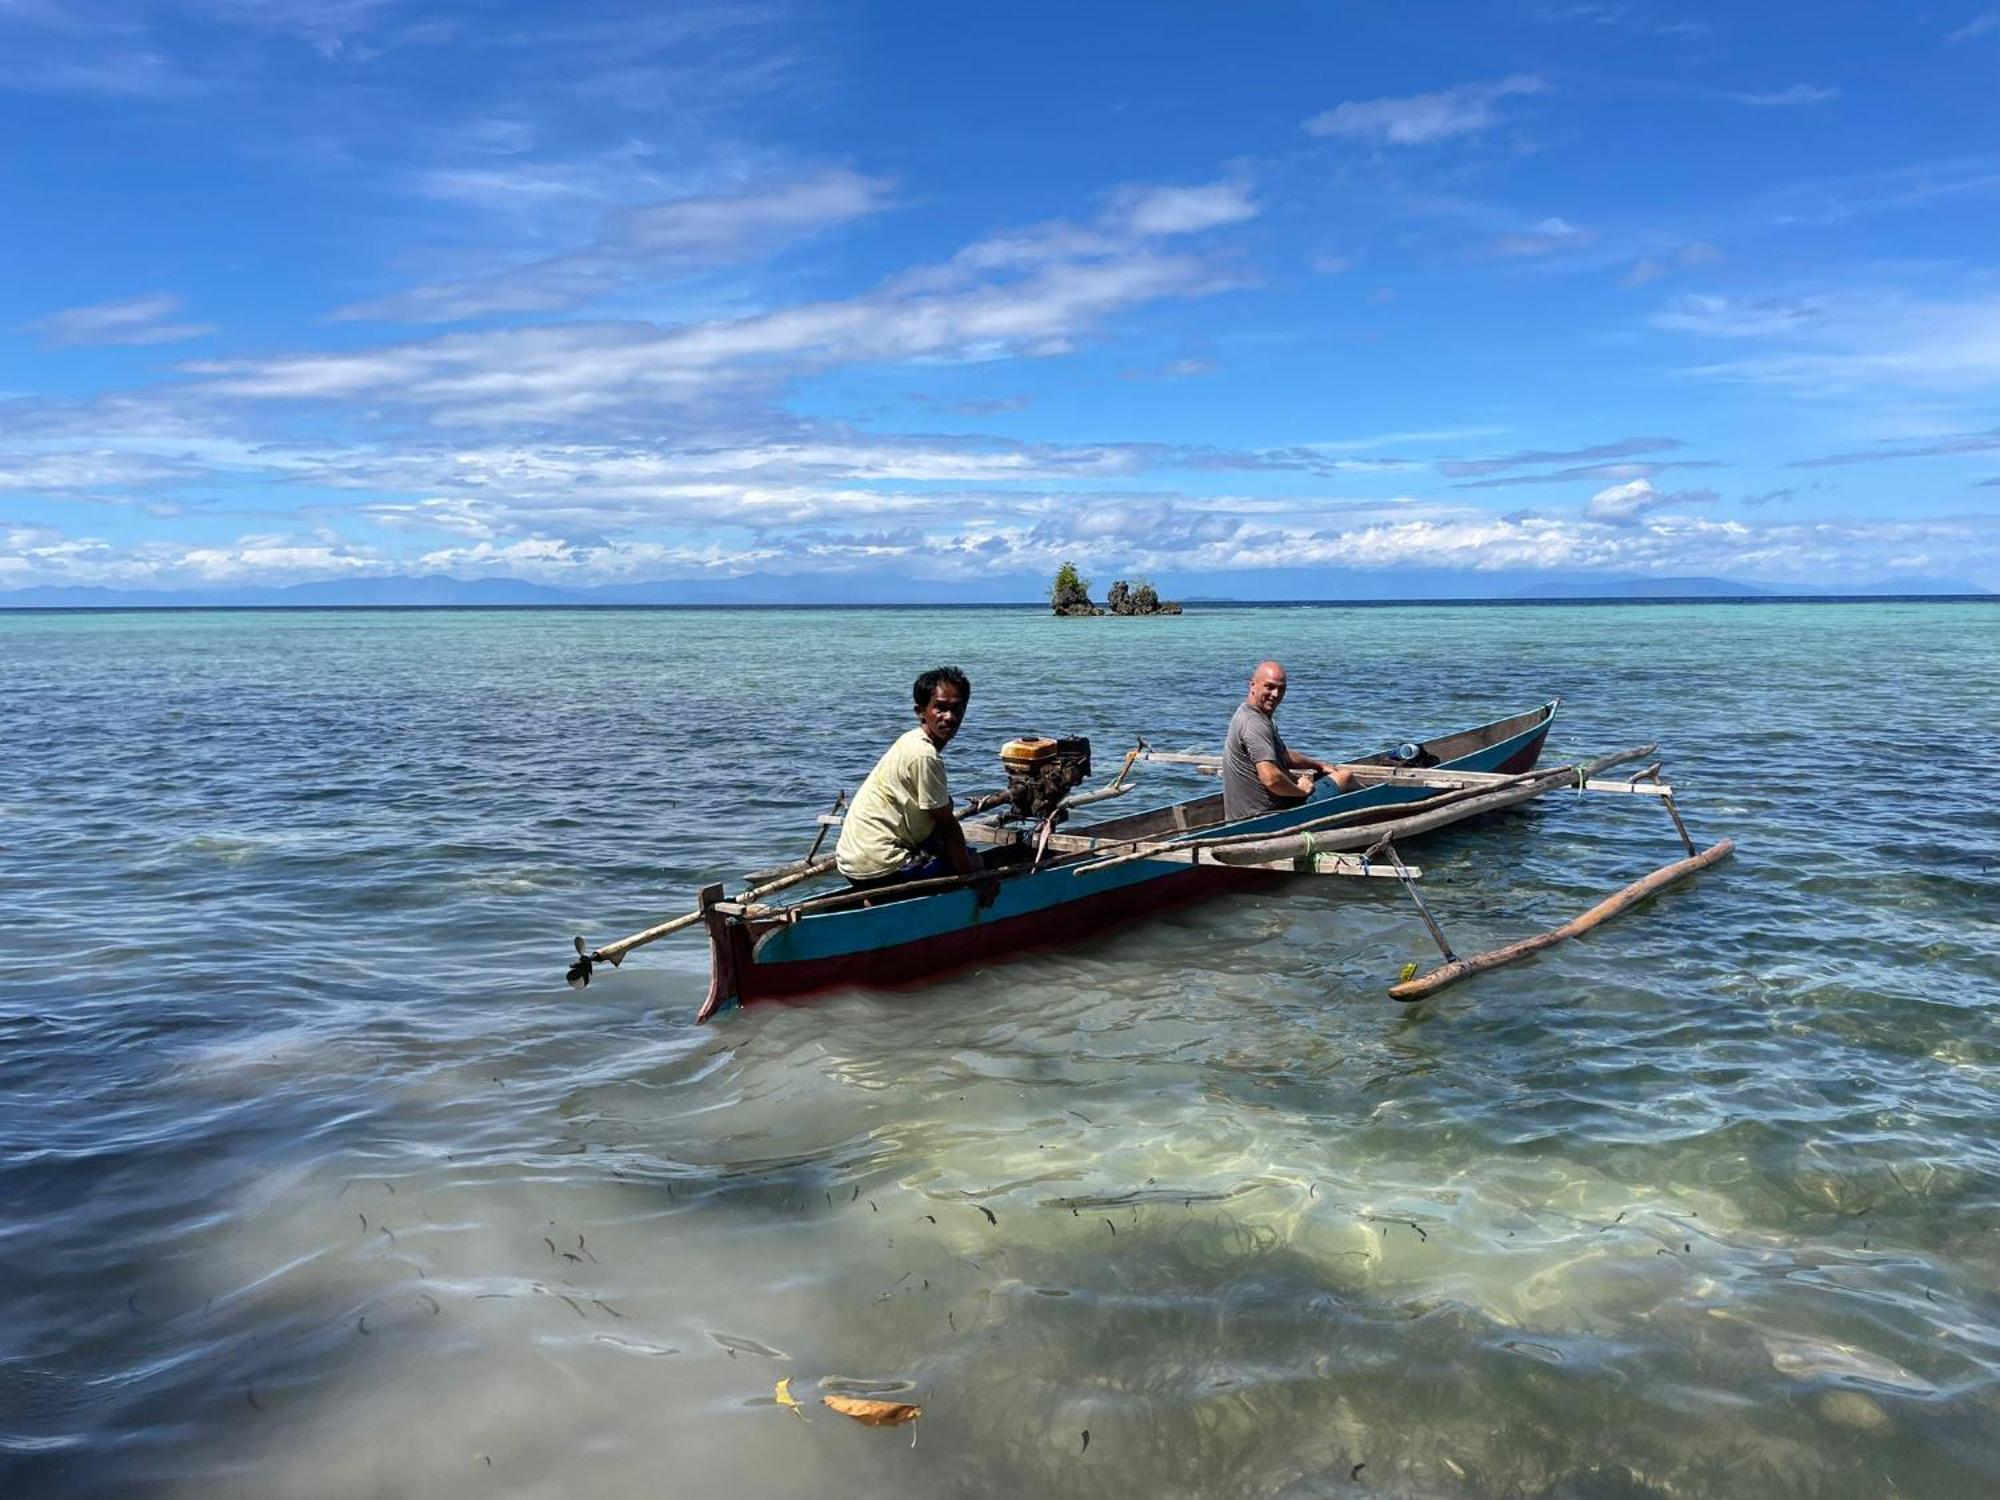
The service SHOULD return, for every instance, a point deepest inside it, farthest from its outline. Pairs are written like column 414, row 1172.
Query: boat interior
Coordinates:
column 1199, row 814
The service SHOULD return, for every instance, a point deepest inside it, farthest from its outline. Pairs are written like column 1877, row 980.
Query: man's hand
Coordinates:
column 1304, row 781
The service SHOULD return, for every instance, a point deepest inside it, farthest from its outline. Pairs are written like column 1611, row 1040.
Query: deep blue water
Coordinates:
column 318, row 1181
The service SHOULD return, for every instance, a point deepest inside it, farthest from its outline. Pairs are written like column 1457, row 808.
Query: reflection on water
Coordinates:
column 320, row 1183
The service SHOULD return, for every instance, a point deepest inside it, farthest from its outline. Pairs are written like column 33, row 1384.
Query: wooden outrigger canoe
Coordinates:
column 1053, row 887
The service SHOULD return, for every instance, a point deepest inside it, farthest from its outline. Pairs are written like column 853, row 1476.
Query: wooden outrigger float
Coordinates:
column 1049, row 886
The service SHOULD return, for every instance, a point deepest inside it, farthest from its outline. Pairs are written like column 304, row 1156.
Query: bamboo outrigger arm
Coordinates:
column 1361, row 828
column 1459, row 968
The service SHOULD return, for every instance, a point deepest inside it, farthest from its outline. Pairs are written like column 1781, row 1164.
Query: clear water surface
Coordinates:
column 316, row 1181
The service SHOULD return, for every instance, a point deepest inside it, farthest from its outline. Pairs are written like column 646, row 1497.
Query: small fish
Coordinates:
column 1086, row 1440
column 364, row 1222
column 550, row 1243
column 572, row 1257
column 581, row 1246
column 735, row 1346
column 1355, row 1472
column 1112, row 1227
column 991, row 1217
column 595, row 1302
column 250, row 1395
column 362, row 1324
column 427, row 1297
column 931, row 1217
column 385, row 1229
column 574, row 1308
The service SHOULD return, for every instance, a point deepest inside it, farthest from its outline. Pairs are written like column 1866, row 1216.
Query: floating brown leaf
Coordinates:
column 874, row 1413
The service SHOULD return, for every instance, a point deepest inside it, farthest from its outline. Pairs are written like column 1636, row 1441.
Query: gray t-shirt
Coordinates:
column 1252, row 737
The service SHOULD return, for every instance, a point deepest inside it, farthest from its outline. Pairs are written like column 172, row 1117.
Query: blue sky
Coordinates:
column 926, row 299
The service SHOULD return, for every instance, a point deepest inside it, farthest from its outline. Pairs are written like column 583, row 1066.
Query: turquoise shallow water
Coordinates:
column 318, row 1182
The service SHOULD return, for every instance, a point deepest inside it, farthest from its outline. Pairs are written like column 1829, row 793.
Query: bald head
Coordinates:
column 1267, row 687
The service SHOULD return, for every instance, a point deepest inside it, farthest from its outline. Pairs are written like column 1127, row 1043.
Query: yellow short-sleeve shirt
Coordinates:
column 889, row 817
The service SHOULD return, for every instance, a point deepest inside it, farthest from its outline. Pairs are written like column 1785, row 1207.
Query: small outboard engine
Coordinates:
column 1041, row 772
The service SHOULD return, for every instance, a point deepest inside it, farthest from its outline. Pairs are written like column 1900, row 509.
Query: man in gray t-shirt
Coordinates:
column 1260, row 774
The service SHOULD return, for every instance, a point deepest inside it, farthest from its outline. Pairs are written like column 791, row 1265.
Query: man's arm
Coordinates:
column 951, row 844
column 951, row 840
column 1281, row 783
column 1342, row 777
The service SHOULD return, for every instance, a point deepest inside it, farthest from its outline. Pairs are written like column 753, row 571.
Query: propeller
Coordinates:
column 579, row 972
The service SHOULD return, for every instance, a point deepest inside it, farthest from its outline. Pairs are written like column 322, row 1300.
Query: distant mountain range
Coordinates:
column 1332, row 586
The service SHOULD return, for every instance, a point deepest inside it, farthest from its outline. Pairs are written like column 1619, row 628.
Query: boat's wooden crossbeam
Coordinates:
column 1359, row 828
column 1441, row 780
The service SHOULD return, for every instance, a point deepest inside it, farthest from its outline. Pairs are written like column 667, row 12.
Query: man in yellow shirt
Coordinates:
column 900, row 825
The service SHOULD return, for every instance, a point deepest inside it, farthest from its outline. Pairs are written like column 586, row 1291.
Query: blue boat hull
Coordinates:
column 903, row 942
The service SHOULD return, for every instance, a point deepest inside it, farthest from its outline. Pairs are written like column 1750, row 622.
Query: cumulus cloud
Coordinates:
column 1159, row 535
column 133, row 321
column 1980, row 25
column 1423, row 119
column 1623, row 504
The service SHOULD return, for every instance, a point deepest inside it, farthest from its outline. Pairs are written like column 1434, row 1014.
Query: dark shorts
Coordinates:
column 926, row 864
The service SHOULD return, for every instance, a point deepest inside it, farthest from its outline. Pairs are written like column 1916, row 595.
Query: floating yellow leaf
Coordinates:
column 1409, row 972
column 874, row 1413
column 784, row 1393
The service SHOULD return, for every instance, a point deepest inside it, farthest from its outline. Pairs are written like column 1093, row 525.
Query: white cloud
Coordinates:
column 1157, row 537
column 673, row 237
column 565, row 371
column 1623, row 504
column 1852, row 341
column 1979, row 25
column 1150, row 211
column 1797, row 94
column 1653, row 267
column 1421, row 119
column 91, row 474
column 136, row 320
column 1547, row 237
